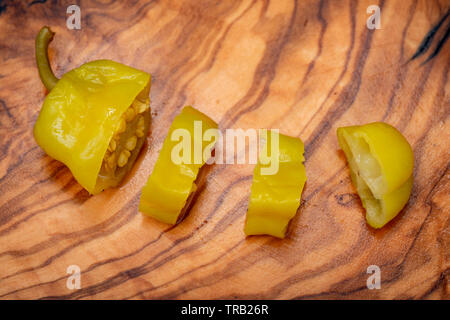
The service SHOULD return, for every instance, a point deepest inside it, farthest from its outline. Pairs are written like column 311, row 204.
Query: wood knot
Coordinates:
column 346, row 199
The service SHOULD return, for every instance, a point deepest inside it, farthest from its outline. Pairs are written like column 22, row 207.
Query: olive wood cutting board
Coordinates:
column 304, row 67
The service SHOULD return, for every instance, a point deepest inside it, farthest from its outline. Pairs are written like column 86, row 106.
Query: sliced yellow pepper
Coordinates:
column 172, row 183
column 94, row 119
column 275, row 196
column 381, row 165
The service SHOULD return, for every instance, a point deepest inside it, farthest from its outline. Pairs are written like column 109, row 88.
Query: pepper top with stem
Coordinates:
column 94, row 119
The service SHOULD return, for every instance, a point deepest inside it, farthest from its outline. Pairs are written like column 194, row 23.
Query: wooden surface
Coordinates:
column 305, row 67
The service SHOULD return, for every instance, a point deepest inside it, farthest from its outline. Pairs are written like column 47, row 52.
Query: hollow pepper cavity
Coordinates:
column 381, row 165
column 94, row 119
column 177, row 172
column 275, row 196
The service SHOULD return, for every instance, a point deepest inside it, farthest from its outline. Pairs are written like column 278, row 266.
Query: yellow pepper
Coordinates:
column 381, row 165
column 95, row 118
column 275, row 196
column 172, row 184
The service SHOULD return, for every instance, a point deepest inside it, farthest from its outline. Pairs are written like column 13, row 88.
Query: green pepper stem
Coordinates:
column 44, row 37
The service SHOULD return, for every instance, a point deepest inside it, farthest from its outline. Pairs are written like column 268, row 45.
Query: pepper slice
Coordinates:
column 173, row 183
column 95, row 118
column 275, row 198
column 381, row 165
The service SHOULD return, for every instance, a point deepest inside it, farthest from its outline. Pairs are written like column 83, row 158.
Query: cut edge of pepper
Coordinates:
column 380, row 209
column 132, row 155
column 281, row 222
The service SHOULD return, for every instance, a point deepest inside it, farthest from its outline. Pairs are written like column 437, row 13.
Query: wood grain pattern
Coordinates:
column 305, row 67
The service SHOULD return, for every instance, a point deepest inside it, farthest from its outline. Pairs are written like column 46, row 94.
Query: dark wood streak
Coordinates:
column 209, row 63
column 225, row 223
column 2, row 7
column 301, row 93
column 344, row 70
column 209, row 263
column 399, row 262
column 402, row 70
column 234, row 267
column 358, row 247
column 8, row 211
column 119, row 278
column 17, row 164
column 440, row 44
column 124, row 276
column 441, row 281
column 424, row 223
column 323, row 28
column 263, row 77
column 94, row 266
column 101, row 263
column 418, row 92
column 427, row 40
column 219, row 202
column 188, row 61
column 16, row 224
column 95, row 232
column 346, row 98
column 419, row 145
column 6, row 110
column 134, row 274
column 36, row 2
column 218, row 45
